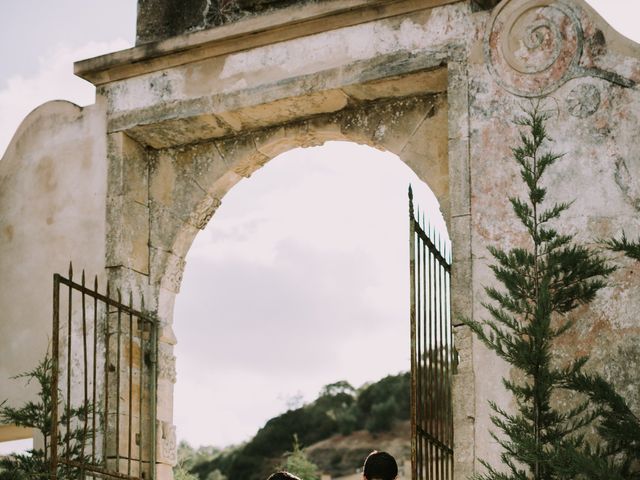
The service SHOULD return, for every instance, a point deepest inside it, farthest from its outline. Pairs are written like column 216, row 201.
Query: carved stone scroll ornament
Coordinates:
column 533, row 47
column 204, row 211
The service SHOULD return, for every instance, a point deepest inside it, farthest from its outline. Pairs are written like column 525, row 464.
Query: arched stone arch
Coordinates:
column 188, row 183
column 169, row 175
column 179, row 121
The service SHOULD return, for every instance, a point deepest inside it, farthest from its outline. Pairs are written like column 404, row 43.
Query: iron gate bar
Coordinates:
column 118, row 353
column 431, row 350
column 54, row 375
column 95, row 374
column 69, row 337
column 412, row 320
column 78, row 426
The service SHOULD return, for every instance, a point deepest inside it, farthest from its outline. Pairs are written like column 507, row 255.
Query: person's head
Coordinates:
column 380, row 466
column 283, row 476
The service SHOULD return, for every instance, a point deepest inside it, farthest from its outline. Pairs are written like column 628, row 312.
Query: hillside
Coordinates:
column 342, row 455
column 338, row 429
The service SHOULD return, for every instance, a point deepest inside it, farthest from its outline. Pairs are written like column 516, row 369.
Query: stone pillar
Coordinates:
column 461, row 275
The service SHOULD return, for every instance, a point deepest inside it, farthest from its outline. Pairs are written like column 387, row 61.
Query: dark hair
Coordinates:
column 380, row 465
column 283, row 476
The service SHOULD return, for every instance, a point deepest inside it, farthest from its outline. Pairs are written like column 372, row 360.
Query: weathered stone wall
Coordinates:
column 590, row 75
column 437, row 82
column 161, row 19
column 181, row 137
column 52, row 204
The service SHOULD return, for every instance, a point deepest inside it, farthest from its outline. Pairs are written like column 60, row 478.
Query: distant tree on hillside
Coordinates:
column 297, row 463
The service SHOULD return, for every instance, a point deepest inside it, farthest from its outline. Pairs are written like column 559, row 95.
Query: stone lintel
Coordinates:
column 246, row 110
column 285, row 24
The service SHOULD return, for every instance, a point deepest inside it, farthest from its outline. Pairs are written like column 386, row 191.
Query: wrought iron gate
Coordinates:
column 432, row 352
column 103, row 392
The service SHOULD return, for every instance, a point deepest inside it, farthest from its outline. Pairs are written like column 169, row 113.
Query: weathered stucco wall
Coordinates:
column 52, row 211
column 436, row 82
column 590, row 74
column 495, row 62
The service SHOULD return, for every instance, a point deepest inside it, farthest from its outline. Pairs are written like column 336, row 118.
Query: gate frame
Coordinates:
column 436, row 461
column 149, row 322
column 156, row 271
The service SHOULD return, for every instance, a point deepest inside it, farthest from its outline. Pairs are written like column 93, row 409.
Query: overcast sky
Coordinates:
column 301, row 277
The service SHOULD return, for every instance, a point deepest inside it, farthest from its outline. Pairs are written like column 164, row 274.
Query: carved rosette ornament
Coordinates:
column 583, row 101
column 533, row 47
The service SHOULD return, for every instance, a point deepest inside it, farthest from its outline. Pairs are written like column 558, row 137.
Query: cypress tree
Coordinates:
column 36, row 463
column 541, row 283
column 615, row 453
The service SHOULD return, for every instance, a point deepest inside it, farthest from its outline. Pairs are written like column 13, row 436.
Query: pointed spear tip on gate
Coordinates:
column 95, row 283
column 70, row 270
column 410, row 192
column 83, row 277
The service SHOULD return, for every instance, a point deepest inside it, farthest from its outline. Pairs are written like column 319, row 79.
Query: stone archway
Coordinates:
column 180, row 119
column 181, row 185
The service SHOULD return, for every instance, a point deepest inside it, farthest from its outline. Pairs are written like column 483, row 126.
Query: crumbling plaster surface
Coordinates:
column 243, row 108
column 594, row 100
column 52, row 203
column 438, row 87
column 421, row 34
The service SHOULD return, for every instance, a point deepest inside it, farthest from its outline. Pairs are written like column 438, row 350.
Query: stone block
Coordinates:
column 463, row 340
column 323, row 129
column 428, row 81
column 458, row 99
column 166, row 445
column 166, row 303
column 165, row 401
column 426, row 167
column 127, row 235
column 131, row 282
column 207, row 164
column 164, row 471
column 241, row 155
column 128, row 168
column 118, row 440
column 285, row 109
column 167, row 269
column 271, row 142
column 459, row 176
column 171, row 230
column 399, row 123
column 124, row 467
column 172, row 132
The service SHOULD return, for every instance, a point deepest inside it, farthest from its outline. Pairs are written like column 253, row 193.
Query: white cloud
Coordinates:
column 54, row 80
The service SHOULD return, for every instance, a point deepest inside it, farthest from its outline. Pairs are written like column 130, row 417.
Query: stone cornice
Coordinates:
column 249, row 33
